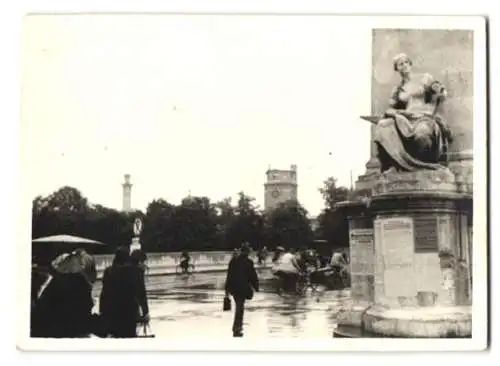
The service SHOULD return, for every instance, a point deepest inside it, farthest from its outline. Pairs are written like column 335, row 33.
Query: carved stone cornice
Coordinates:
column 421, row 202
column 393, row 182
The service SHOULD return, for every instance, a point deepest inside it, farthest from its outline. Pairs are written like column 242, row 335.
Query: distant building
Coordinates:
column 127, row 194
column 280, row 187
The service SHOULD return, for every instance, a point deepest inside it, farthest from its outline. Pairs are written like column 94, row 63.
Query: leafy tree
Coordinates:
column 288, row 225
column 68, row 199
column 112, row 227
column 63, row 212
column 332, row 193
column 332, row 223
column 158, row 230
column 195, row 224
column 39, row 204
column 225, row 218
column 334, row 227
column 247, row 225
column 40, row 218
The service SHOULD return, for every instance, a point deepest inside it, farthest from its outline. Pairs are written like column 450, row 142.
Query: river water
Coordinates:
column 187, row 306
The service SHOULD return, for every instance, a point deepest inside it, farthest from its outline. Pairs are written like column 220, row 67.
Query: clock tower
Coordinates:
column 280, row 187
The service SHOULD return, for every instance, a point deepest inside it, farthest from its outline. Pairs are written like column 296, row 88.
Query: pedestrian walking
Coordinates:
column 241, row 282
column 123, row 296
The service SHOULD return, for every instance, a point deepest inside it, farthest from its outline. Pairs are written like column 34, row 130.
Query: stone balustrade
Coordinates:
column 166, row 263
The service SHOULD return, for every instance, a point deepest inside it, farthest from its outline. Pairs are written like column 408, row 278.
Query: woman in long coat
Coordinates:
column 123, row 296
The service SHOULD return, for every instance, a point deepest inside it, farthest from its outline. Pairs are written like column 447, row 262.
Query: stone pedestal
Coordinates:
column 421, row 281
column 422, row 221
column 135, row 245
column 362, row 254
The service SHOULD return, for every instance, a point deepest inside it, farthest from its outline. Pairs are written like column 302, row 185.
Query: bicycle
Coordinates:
column 186, row 270
column 301, row 285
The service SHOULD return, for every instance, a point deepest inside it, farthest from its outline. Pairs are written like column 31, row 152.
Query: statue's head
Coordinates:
column 402, row 63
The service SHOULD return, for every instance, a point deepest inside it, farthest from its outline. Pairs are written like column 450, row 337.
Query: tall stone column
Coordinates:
column 127, row 194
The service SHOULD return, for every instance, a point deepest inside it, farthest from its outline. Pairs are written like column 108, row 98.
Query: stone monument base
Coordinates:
column 353, row 315
column 435, row 322
column 420, row 322
column 421, row 286
column 135, row 245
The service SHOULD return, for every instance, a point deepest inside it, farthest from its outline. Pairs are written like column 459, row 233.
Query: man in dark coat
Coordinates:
column 241, row 282
column 123, row 294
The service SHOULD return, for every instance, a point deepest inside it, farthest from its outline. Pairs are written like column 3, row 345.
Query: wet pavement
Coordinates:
column 190, row 306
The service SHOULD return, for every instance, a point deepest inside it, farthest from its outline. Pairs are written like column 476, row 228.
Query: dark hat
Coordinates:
column 77, row 261
column 122, row 255
column 245, row 248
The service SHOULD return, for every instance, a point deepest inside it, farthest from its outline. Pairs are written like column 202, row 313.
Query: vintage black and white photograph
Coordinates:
column 213, row 177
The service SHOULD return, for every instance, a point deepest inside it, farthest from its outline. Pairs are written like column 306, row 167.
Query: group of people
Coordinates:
column 62, row 303
column 288, row 265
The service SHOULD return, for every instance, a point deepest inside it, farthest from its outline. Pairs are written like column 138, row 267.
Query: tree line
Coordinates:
column 194, row 224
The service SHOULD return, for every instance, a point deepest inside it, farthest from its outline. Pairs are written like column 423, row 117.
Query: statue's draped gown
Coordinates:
column 411, row 136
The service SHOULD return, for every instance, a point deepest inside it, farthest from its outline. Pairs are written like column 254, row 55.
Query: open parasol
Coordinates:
column 70, row 239
column 45, row 249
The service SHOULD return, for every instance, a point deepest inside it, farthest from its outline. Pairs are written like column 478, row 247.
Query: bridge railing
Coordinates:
column 167, row 262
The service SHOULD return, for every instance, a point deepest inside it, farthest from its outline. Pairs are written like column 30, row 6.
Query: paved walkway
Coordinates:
column 191, row 307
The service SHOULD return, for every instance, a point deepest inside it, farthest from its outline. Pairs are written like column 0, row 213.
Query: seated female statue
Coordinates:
column 411, row 135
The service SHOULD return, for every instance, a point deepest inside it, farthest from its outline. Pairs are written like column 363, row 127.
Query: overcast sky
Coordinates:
column 193, row 103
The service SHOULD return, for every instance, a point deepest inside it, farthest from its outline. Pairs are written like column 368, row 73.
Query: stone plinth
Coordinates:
column 435, row 322
column 135, row 244
column 427, row 182
column 362, row 256
column 420, row 285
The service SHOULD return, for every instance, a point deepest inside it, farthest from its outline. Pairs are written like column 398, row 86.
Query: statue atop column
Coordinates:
column 411, row 135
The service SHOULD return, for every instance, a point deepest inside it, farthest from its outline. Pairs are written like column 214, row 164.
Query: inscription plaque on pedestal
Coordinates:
column 427, row 272
column 362, row 253
column 362, row 263
column 426, row 234
column 397, row 243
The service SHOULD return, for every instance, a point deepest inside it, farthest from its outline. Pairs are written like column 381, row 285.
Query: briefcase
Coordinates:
column 144, row 331
column 227, row 304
